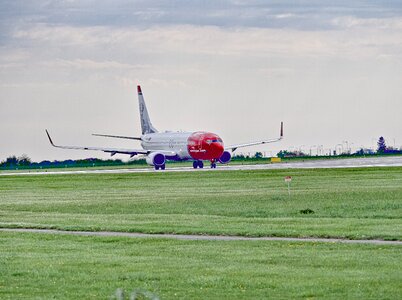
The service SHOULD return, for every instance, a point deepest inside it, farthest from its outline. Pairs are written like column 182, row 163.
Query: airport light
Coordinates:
column 347, row 145
column 350, row 148
column 320, row 149
column 312, row 147
column 340, row 146
column 374, row 142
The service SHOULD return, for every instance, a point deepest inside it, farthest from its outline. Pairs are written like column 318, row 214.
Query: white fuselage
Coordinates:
column 176, row 142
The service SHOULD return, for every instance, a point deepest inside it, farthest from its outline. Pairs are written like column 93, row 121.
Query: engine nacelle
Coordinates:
column 225, row 157
column 156, row 159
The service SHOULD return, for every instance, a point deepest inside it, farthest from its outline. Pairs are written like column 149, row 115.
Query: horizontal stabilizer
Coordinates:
column 118, row 136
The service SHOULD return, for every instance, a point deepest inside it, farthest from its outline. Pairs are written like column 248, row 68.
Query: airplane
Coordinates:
column 159, row 147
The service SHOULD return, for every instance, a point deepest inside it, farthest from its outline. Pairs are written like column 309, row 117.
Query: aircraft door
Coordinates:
column 200, row 145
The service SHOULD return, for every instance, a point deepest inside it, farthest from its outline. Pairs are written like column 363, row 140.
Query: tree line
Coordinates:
column 24, row 162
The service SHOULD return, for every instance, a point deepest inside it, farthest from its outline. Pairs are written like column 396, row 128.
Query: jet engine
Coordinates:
column 225, row 157
column 156, row 159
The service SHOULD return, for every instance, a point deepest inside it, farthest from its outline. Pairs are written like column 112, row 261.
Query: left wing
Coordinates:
column 234, row 147
column 112, row 151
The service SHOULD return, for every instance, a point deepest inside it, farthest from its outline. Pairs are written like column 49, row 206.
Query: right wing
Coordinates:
column 112, row 151
column 267, row 141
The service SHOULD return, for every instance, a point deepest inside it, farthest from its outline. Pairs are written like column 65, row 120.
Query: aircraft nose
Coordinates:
column 217, row 149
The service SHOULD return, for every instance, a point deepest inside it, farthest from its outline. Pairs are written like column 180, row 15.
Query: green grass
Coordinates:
column 40, row 266
column 349, row 203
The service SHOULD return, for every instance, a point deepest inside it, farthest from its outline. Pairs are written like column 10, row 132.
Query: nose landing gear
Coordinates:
column 213, row 164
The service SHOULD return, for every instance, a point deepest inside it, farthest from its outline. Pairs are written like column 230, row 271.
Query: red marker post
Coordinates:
column 288, row 180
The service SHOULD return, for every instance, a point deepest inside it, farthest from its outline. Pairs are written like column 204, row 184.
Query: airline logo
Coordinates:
column 205, row 146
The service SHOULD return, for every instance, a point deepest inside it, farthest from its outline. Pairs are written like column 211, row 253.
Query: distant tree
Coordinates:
column 281, row 153
column 45, row 163
column 238, row 157
column 11, row 161
column 24, row 160
column 360, row 152
column 381, row 146
column 258, row 155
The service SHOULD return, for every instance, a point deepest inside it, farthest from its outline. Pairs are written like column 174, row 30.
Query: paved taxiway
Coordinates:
column 190, row 237
column 307, row 164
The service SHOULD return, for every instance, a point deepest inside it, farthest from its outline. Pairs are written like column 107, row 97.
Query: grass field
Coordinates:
column 38, row 266
column 349, row 203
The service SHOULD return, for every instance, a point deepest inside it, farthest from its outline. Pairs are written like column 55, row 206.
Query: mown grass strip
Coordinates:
column 345, row 203
column 70, row 267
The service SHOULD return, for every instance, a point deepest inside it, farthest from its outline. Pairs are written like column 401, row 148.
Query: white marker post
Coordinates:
column 288, row 180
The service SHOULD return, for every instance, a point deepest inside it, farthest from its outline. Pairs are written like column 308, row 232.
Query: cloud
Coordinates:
column 364, row 38
column 73, row 65
column 91, row 64
column 301, row 15
column 285, row 16
column 349, row 22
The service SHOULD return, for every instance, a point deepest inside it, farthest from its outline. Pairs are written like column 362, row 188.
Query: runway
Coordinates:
column 363, row 162
column 191, row 237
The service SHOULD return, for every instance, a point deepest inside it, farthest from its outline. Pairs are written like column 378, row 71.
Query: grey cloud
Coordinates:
column 72, row 66
column 267, row 14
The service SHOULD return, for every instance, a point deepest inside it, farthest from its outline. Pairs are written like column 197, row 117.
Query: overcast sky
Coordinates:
column 331, row 70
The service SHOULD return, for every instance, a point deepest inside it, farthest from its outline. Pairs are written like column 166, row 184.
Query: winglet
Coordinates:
column 139, row 90
column 50, row 139
column 281, row 136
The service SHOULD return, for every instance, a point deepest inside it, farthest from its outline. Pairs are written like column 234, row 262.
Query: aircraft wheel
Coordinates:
column 213, row 165
column 195, row 164
column 163, row 167
column 201, row 164
column 156, row 167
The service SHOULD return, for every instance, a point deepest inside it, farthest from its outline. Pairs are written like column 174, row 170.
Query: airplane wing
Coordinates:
column 112, row 151
column 234, row 147
column 118, row 136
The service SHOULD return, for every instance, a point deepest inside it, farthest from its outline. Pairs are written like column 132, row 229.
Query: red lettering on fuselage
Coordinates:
column 205, row 146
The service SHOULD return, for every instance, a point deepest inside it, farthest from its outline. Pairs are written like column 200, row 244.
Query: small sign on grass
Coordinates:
column 288, row 180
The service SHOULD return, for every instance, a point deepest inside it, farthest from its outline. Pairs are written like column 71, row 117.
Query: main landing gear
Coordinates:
column 198, row 164
column 162, row 167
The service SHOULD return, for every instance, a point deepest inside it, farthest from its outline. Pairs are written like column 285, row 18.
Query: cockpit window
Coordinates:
column 209, row 142
column 217, row 141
